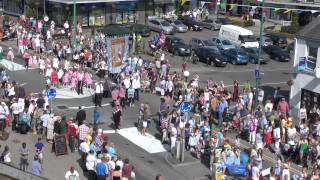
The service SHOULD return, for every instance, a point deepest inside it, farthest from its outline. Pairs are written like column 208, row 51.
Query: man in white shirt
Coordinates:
column 66, row 27
column 91, row 162
column 15, row 111
column 98, row 94
column 255, row 171
column 136, row 86
column 72, row 174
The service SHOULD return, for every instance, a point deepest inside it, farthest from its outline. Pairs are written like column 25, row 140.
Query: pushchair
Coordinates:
column 23, row 124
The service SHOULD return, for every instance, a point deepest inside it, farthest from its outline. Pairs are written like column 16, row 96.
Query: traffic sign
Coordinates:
column 51, row 93
column 257, row 73
column 185, row 107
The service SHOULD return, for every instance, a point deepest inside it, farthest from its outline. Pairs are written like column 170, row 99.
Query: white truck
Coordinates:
column 238, row 36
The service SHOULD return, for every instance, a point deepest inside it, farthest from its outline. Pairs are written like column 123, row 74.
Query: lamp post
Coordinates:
column 74, row 23
column 258, row 74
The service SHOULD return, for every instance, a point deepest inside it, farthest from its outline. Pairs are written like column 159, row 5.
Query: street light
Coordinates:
column 258, row 74
column 74, row 23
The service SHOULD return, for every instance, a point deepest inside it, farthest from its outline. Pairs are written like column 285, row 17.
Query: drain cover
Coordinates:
column 62, row 107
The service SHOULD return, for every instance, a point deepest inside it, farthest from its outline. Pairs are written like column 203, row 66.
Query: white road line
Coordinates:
column 88, row 107
column 148, row 143
column 263, row 84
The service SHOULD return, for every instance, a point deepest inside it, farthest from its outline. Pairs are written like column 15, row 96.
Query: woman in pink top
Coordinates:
column 88, row 79
column 66, row 78
column 74, row 80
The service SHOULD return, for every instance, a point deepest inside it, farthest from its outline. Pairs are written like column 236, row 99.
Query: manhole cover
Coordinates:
column 62, row 107
column 16, row 141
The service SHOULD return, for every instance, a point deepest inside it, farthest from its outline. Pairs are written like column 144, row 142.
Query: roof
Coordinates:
column 238, row 28
column 115, row 30
column 310, row 31
column 86, row 1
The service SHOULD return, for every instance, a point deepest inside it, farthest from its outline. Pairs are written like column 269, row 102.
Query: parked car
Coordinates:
column 211, row 24
column 177, row 46
column 252, row 53
column 191, row 23
column 197, row 42
column 141, row 29
column 211, row 56
column 278, row 40
column 180, row 27
column 224, row 21
column 276, row 53
column 222, row 44
column 160, row 25
column 236, row 56
column 266, row 41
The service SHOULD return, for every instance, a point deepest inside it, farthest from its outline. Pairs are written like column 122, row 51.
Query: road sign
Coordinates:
column 257, row 73
column 185, row 107
column 51, row 93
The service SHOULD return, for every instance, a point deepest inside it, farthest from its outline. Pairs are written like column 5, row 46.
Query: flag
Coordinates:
column 183, row 2
column 232, row 6
column 276, row 9
column 314, row 11
column 222, row 5
column 287, row 10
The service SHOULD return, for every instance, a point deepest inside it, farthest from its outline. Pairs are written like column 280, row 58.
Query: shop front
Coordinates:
column 126, row 12
column 310, row 99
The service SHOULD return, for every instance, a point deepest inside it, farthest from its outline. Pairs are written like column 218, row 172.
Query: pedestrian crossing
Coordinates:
column 67, row 93
column 148, row 143
column 12, row 66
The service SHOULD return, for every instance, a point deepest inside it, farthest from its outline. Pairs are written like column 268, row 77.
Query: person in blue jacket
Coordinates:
column 96, row 116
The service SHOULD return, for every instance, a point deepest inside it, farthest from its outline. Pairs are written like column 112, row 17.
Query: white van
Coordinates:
column 238, row 36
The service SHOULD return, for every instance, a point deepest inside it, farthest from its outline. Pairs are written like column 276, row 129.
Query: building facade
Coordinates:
column 305, row 87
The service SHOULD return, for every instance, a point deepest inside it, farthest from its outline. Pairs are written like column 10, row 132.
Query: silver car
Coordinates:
column 211, row 24
column 197, row 42
column 180, row 27
column 160, row 25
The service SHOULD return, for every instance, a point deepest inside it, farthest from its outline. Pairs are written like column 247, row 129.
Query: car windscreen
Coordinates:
column 208, row 43
column 165, row 23
column 248, row 38
column 178, row 41
column 177, row 22
column 226, row 42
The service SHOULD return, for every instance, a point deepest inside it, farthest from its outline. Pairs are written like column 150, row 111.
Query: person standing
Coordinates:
column 44, row 123
column 81, row 115
column 98, row 94
column 220, row 110
column 72, row 174
column 36, row 166
column 117, row 116
column 96, row 116
column 136, row 86
column 6, row 155
column 24, row 152
column 91, row 162
column 126, row 170
column 26, row 58
column 80, row 83
column 102, row 169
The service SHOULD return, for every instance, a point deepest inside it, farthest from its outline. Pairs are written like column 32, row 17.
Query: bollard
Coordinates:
column 177, row 150
column 182, row 149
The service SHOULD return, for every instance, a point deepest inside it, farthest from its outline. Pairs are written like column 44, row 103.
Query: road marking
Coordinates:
column 249, row 70
column 66, row 93
column 148, row 143
column 12, row 66
column 88, row 107
column 263, row 84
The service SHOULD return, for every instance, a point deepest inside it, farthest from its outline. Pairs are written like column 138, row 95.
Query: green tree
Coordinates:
column 294, row 27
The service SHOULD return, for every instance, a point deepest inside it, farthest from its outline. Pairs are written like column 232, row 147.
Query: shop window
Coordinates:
column 124, row 17
column 97, row 18
column 312, row 58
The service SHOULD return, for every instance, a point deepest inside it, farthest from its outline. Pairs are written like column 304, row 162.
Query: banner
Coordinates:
column 117, row 51
column 232, row 6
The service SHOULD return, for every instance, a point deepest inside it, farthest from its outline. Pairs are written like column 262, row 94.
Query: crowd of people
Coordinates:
column 217, row 114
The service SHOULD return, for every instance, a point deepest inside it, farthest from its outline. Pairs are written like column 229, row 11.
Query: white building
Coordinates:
column 306, row 80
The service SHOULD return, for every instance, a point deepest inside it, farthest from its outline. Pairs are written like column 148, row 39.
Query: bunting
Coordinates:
column 286, row 10
column 232, row 6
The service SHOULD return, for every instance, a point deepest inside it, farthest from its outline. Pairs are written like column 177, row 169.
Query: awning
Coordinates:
column 115, row 30
column 87, row 1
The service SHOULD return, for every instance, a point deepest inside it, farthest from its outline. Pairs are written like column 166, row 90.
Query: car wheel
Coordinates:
column 277, row 59
column 234, row 62
column 208, row 62
column 176, row 53
column 252, row 61
column 192, row 28
column 212, row 63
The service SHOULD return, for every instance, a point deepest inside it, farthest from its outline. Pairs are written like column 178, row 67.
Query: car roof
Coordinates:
column 173, row 37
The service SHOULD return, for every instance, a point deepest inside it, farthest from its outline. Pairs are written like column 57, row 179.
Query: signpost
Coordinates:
column 51, row 94
column 185, row 107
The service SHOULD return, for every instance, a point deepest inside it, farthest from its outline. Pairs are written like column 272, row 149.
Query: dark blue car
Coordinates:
column 236, row 56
